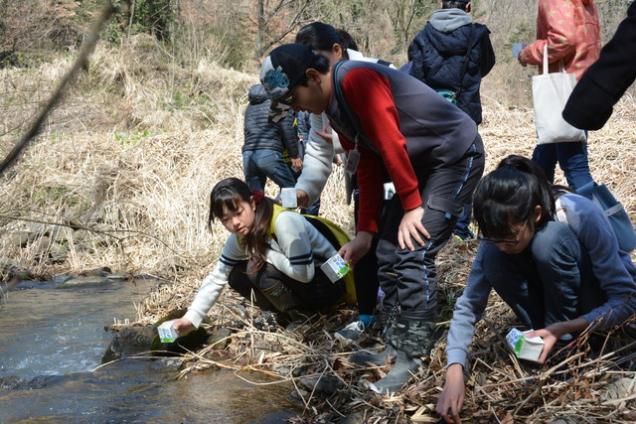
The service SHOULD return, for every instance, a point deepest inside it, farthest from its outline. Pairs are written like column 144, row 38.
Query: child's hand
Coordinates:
column 183, row 326
column 302, row 198
column 450, row 402
column 297, row 164
column 411, row 229
column 550, row 335
column 356, row 248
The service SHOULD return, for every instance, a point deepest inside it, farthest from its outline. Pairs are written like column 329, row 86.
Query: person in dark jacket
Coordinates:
column 267, row 143
column 451, row 55
column 605, row 82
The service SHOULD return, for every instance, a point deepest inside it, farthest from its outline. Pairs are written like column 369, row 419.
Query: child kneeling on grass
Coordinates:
column 559, row 276
column 273, row 252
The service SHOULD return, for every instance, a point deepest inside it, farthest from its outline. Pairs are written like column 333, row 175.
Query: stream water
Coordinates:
column 51, row 340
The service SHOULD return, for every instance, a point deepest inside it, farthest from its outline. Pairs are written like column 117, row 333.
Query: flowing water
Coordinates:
column 51, row 340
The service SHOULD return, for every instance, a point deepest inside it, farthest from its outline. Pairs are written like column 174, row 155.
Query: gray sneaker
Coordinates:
column 351, row 332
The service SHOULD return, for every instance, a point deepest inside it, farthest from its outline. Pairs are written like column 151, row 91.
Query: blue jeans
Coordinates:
column 258, row 165
column 572, row 158
column 551, row 281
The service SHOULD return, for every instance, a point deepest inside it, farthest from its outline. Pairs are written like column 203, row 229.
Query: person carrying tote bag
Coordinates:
column 568, row 36
column 550, row 92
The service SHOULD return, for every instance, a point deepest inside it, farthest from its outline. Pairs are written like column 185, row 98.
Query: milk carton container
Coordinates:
column 167, row 333
column 335, row 268
column 288, row 198
column 528, row 348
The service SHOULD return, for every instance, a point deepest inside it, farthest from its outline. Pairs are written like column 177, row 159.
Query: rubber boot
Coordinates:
column 387, row 319
column 411, row 339
column 285, row 302
column 401, row 372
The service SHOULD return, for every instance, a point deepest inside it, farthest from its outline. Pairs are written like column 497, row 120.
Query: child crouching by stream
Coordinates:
column 271, row 252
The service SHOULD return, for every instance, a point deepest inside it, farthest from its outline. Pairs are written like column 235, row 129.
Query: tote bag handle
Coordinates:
column 546, row 65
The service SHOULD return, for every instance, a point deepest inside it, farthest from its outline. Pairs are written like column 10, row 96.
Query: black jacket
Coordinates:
column 605, row 82
column 261, row 132
column 437, row 59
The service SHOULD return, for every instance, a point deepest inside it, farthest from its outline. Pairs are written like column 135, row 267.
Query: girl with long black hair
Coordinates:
column 271, row 252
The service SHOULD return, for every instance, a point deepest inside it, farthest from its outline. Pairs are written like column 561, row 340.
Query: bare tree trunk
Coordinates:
column 262, row 29
column 130, row 18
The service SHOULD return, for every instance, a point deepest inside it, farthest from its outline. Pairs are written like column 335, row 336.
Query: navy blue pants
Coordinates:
column 258, row 165
column 572, row 157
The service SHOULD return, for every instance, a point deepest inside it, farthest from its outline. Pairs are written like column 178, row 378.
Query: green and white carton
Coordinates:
column 335, row 268
column 167, row 333
column 528, row 348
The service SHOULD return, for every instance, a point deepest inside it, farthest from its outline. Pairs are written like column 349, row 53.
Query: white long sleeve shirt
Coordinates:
column 292, row 251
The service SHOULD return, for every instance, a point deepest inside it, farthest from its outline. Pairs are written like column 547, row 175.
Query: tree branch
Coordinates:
column 80, row 62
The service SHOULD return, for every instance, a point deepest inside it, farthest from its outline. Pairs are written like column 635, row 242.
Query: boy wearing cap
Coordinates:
column 395, row 128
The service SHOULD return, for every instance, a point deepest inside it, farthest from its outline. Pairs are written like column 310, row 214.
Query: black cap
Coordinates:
column 285, row 68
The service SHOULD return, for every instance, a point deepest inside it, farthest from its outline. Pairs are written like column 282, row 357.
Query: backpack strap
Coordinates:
column 360, row 138
column 277, row 210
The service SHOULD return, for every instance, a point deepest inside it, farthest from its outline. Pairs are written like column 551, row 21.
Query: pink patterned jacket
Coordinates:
column 571, row 29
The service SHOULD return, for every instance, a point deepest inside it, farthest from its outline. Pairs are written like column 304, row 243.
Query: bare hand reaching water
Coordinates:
column 183, row 326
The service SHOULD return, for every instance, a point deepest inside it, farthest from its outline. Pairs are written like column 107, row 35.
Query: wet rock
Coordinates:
column 118, row 276
column 12, row 382
column 326, row 385
column 219, row 338
column 619, row 389
column 87, row 281
column 97, row 272
column 130, row 341
column 278, row 417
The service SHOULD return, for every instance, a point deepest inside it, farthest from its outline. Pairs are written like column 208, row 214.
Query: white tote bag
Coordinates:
column 550, row 93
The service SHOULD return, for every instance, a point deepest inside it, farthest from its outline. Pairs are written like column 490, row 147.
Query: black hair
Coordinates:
column 346, row 40
column 320, row 36
column 454, row 4
column 509, row 195
column 318, row 62
column 228, row 194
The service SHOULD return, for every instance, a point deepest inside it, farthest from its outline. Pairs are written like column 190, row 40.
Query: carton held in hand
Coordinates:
column 288, row 198
column 335, row 268
column 528, row 348
column 167, row 333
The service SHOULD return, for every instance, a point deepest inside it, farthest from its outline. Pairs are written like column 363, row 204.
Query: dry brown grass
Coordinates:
column 133, row 154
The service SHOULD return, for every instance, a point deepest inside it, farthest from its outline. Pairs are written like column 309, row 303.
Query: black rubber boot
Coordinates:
column 401, row 372
column 386, row 319
column 285, row 302
column 411, row 339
